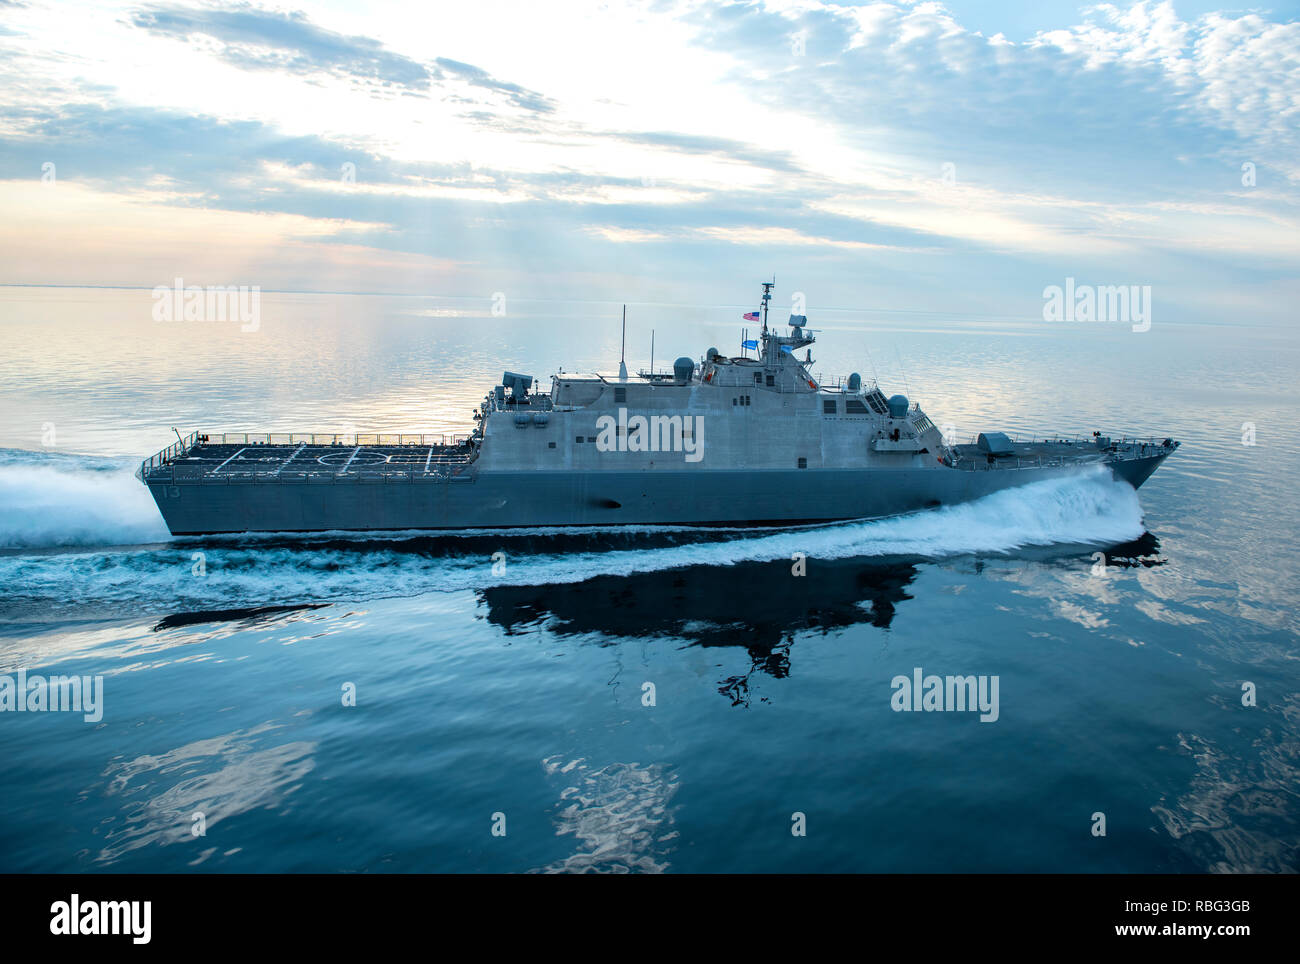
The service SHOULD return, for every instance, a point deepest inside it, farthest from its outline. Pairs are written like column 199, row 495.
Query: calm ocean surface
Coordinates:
column 518, row 690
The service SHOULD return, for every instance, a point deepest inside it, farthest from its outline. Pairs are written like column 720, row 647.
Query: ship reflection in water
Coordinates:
column 762, row 607
column 614, row 812
column 759, row 606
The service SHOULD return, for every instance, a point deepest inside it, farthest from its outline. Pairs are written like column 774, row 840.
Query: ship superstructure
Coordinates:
column 718, row 440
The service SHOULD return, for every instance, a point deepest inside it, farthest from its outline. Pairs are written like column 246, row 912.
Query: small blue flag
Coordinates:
column 787, row 349
column 752, row 343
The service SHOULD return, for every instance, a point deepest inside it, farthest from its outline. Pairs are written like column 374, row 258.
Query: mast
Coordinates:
column 622, row 351
column 765, row 354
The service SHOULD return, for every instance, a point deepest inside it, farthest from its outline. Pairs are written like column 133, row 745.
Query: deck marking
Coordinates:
column 227, row 462
column 290, row 458
column 343, row 471
column 427, row 460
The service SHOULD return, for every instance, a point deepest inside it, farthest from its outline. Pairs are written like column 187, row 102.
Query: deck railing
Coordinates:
column 535, row 402
column 1076, row 440
column 979, row 463
column 1038, row 462
column 325, row 438
column 176, row 449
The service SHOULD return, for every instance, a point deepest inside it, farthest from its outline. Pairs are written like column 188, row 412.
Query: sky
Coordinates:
column 950, row 158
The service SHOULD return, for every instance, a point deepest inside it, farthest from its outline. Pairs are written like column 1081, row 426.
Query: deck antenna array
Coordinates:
column 875, row 375
column 907, row 388
column 652, row 353
column 622, row 351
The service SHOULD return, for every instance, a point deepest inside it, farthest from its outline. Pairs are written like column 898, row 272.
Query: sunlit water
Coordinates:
column 517, row 689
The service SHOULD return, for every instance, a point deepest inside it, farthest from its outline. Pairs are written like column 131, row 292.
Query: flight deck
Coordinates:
column 308, row 458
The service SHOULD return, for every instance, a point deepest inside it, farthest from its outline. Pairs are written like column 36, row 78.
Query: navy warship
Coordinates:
column 720, row 440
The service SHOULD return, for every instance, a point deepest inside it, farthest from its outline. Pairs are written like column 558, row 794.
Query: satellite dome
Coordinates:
column 683, row 368
column 855, row 382
column 898, row 406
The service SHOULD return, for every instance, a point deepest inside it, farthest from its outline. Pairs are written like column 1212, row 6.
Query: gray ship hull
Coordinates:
column 575, row 498
column 726, row 441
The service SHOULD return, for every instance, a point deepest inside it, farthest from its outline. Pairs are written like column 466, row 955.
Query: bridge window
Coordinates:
column 828, row 406
column 550, row 445
column 758, row 378
column 771, row 380
column 620, row 394
column 803, row 463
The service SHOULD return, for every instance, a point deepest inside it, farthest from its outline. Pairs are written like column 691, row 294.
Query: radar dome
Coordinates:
column 683, row 368
column 855, row 382
column 898, row 406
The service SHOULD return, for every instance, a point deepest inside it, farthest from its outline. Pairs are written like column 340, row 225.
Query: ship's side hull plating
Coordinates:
column 574, row 498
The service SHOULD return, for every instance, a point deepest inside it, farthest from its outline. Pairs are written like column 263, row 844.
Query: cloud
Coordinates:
column 722, row 147
column 1241, row 73
column 1129, row 89
column 124, row 147
column 1082, row 151
column 255, row 39
column 477, row 77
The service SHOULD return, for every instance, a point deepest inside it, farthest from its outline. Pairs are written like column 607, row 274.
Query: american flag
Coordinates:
column 750, row 316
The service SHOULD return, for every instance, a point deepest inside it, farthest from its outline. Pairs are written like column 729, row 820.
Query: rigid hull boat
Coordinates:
column 718, row 441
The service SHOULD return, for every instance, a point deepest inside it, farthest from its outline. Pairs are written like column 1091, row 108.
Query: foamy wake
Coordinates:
column 68, row 500
column 54, row 506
